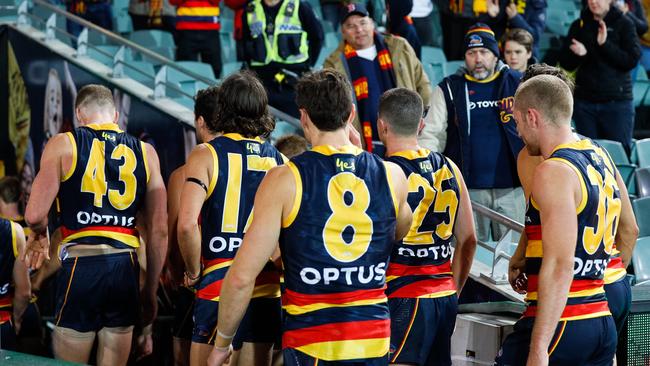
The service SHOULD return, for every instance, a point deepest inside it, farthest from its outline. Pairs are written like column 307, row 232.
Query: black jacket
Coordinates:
column 604, row 72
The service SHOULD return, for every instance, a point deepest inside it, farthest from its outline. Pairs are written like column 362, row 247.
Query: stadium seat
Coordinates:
column 433, row 55
column 643, row 182
column 103, row 53
column 228, row 48
column 641, row 208
column 641, row 260
column 435, row 72
column 451, row 67
column 152, row 38
column 643, row 152
column 200, row 68
column 122, row 23
column 229, row 68
column 331, row 40
column 627, row 174
column 141, row 71
column 615, row 150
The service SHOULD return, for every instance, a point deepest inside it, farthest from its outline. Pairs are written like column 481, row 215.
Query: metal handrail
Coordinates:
column 497, row 217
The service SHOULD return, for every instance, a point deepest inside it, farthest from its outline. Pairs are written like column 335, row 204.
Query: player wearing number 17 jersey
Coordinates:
column 222, row 177
column 103, row 178
column 573, row 212
column 336, row 211
column 423, row 281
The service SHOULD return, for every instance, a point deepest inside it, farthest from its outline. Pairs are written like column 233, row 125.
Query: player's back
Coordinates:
column 105, row 187
column 239, row 167
column 420, row 263
column 597, row 215
column 335, row 247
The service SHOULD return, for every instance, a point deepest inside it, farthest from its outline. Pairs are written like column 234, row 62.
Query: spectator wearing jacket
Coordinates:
column 632, row 9
column 474, row 109
column 374, row 63
column 401, row 24
column 152, row 14
column 282, row 40
column 603, row 46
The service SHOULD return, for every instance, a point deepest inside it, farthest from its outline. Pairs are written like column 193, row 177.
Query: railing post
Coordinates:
column 23, row 9
column 160, row 83
column 50, row 24
column 118, row 63
column 82, row 43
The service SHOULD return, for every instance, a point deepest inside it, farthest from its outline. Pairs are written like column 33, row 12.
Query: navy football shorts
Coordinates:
column 98, row 292
column 421, row 329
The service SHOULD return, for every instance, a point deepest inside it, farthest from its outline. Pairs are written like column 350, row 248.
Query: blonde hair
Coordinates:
column 547, row 94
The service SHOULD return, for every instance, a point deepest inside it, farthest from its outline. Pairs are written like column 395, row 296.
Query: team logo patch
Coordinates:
column 475, row 41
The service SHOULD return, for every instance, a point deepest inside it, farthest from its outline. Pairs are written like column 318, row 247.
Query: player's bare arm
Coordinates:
column 464, row 233
column 199, row 168
column 174, row 258
column 400, row 185
column 22, row 288
column 155, row 209
column 56, row 160
column 559, row 230
column 273, row 202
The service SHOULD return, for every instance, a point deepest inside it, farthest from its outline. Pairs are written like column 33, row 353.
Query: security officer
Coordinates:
column 282, row 40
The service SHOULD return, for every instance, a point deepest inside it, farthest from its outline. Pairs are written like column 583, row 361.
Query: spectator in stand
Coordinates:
column 97, row 12
column 282, row 40
column 529, row 15
column 331, row 10
column 645, row 38
column 634, row 10
column 401, row 24
column 374, row 63
column 457, row 16
column 603, row 46
column 474, row 107
column 152, row 14
column 238, row 32
column 197, row 32
column 518, row 49
column 423, row 19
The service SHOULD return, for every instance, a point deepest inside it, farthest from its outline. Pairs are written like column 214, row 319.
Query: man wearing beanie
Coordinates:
column 375, row 62
column 472, row 112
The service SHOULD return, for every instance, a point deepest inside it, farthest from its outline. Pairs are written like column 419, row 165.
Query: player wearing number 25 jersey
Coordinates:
column 335, row 211
column 222, row 178
column 421, row 284
column 103, row 178
column 571, row 220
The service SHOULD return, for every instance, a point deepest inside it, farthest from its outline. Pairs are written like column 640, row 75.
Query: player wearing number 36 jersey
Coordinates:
column 423, row 281
column 336, row 211
column 104, row 178
column 571, row 222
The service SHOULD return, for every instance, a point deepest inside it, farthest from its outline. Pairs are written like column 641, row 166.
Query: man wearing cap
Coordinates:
column 472, row 109
column 374, row 63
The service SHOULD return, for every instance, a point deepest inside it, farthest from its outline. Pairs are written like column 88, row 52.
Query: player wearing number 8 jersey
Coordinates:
column 570, row 233
column 422, row 278
column 103, row 178
column 335, row 210
column 222, row 178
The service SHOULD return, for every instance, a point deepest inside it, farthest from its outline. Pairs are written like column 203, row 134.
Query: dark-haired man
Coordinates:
column 103, row 178
column 204, row 108
column 335, row 210
column 423, row 281
column 222, row 177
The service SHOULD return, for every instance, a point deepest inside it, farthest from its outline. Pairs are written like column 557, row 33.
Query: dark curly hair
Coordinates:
column 205, row 105
column 242, row 107
column 326, row 95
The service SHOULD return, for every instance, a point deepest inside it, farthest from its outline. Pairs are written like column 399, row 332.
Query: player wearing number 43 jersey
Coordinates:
column 422, row 279
column 103, row 178
column 222, row 177
column 336, row 211
column 571, row 224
